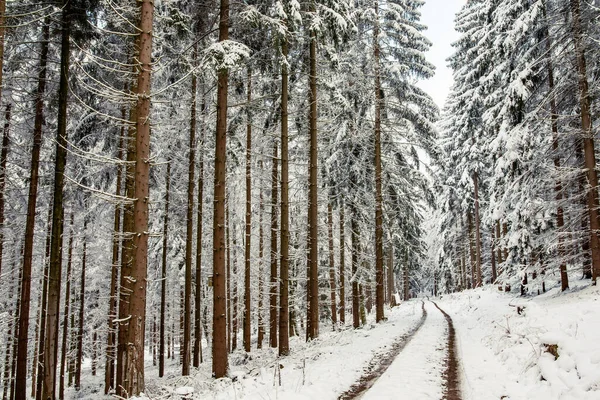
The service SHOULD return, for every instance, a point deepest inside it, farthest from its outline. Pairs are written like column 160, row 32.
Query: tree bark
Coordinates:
column 342, row 267
column 79, row 358
column 355, row 236
column 198, row 312
column 332, row 287
column 493, row 256
column 273, row 323
column 163, row 276
column 588, row 139
column 313, row 221
column 234, row 300
column 261, row 272
column 65, row 330
column 284, row 306
column 247, row 242
column 472, row 251
column 478, row 281
column 219, row 349
column 379, row 314
column 390, row 277
column 25, row 296
column 189, row 242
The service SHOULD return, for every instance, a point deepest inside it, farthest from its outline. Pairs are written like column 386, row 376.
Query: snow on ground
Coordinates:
column 504, row 355
column 417, row 371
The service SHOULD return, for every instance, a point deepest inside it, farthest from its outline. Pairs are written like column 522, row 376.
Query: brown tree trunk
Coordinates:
column 189, row 241
column 219, row 349
column 56, row 245
column 284, row 306
column 199, row 294
column 493, row 256
column 355, row 236
column 261, row 269
column 133, row 382
column 163, row 276
column 498, row 238
column 477, row 233
column 109, row 370
column 331, row 266
column 6, row 375
column 235, row 300
column 273, row 323
column 15, row 345
column 5, row 147
column 65, row 330
column 472, row 251
column 342, row 267
column 25, row 296
column 313, row 221
column 247, row 242
column 588, row 140
column 379, row 315
column 227, row 231
column 405, row 279
column 390, row 277
column 79, row 358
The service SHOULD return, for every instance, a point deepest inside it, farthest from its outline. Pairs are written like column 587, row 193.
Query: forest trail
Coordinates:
column 422, row 363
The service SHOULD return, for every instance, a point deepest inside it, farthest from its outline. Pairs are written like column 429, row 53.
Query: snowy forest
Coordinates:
column 257, row 199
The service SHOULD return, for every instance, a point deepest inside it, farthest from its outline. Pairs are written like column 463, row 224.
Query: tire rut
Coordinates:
column 451, row 378
column 381, row 362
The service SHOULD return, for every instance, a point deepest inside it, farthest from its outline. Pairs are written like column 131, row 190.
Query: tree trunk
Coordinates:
column 227, row 229
column 235, row 300
column 135, row 328
column 163, row 276
column 477, row 233
column 56, row 245
column 355, row 236
column 199, row 293
column 273, row 323
column 498, row 238
column 5, row 147
column 65, row 330
column 390, row 277
column 379, row 315
column 284, row 306
column 247, row 242
column 313, row 221
column 331, row 266
column 79, row 358
column 493, row 256
column 13, row 369
column 109, row 370
column 342, row 267
column 472, row 251
column 25, row 296
column 405, row 279
column 11, row 340
column 261, row 269
column 588, row 140
column 219, row 349
column 189, row 241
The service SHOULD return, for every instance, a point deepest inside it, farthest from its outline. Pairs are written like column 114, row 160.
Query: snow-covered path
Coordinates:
column 417, row 372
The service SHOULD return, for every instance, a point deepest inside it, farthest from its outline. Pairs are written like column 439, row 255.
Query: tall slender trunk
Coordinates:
column 56, row 245
column 477, row 232
column 261, row 265
column 390, row 276
column 493, row 256
column 405, row 279
column 219, row 348
column 342, row 267
column 10, row 339
column 37, row 370
column 247, row 242
column 313, row 221
column 25, row 296
column 588, row 139
column 284, row 305
column 79, row 359
column 15, row 344
column 111, row 337
column 189, row 241
column 331, row 266
column 198, row 303
column 379, row 315
column 228, row 233
column 163, row 276
column 273, row 283
column 472, row 251
column 65, row 330
column 504, row 234
column 499, row 248
column 235, row 300
column 4, row 152
column 355, row 236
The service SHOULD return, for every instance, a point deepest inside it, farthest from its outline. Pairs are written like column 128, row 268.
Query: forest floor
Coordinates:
column 498, row 353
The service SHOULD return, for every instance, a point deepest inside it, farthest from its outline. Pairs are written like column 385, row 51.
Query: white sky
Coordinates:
column 438, row 15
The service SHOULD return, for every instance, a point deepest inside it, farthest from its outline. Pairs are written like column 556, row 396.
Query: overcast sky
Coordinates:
column 438, row 15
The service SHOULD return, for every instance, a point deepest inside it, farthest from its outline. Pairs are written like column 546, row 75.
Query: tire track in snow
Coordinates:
column 381, row 362
column 451, row 378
